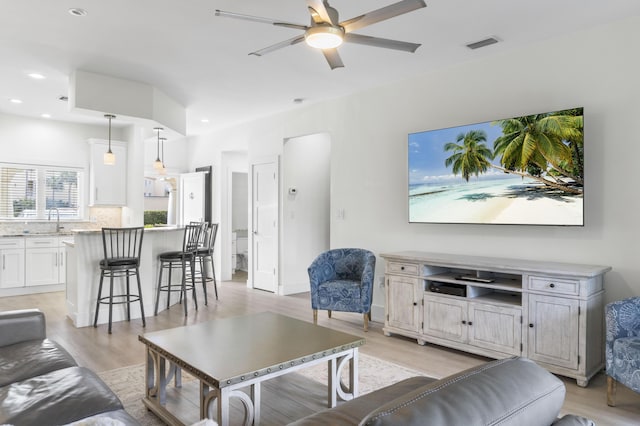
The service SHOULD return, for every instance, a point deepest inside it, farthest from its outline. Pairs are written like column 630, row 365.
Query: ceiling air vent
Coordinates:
column 482, row 43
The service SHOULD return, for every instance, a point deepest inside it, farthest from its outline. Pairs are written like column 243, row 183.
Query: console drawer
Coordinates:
column 403, row 268
column 554, row 285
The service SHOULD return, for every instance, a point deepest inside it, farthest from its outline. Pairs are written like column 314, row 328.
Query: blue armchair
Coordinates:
column 622, row 350
column 342, row 280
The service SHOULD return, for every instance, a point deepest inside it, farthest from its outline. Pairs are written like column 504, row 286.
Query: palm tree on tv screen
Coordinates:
column 529, row 146
column 547, row 141
column 470, row 154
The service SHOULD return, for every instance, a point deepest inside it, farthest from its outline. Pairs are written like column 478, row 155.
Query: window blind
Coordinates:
column 32, row 192
column 18, row 192
column 61, row 192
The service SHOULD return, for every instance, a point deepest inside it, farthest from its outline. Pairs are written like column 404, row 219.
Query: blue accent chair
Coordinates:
column 622, row 350
column 342, row 280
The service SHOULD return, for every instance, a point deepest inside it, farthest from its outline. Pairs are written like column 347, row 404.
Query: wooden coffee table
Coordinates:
column 232, row 353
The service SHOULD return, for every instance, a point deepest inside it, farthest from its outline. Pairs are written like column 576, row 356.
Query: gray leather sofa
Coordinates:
column 40, row 382
column 512, row 391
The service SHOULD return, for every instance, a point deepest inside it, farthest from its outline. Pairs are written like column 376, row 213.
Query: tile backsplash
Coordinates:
column 100, row 217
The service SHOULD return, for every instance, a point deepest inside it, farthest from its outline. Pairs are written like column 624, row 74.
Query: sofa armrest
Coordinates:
column 21, row 326
column 512, row 391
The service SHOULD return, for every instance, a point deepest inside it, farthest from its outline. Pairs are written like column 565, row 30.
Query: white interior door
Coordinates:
column 192, row 196
column 265, row 225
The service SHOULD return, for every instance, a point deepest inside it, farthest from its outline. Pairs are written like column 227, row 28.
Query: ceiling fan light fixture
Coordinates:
column 324, row 37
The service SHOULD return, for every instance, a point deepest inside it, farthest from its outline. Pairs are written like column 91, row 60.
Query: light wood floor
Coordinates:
column 96, row 349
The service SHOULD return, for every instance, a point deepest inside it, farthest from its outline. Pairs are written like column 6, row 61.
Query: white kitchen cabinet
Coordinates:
column 550, row 312
column 42, row 260
column 107, row 183
column 31, row 264
column 12, row 259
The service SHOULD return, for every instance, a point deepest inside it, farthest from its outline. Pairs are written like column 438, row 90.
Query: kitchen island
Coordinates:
column 83, row 274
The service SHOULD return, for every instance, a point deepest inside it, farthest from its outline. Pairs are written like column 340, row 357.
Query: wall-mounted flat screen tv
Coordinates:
column 525, row 170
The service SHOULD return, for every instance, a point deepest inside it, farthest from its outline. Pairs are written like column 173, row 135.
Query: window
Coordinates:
column 34, row 192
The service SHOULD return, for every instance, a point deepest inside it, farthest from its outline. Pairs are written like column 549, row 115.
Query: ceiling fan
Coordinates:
column 326, row 32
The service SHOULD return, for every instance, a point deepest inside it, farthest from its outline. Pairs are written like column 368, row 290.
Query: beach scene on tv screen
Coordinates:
column 524, row 170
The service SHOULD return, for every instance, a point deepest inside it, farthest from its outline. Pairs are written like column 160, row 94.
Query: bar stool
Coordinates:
column 121, row 260
column 178, row 260
column 206, row 252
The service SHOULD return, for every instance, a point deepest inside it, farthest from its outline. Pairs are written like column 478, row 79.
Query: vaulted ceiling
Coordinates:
column 202, row 61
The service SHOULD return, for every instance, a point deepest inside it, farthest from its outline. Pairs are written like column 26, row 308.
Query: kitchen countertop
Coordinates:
column 80, row 231
column 38, row 234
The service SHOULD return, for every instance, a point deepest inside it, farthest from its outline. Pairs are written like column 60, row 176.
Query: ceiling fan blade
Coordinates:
column 321, row 12
column 333, row 58
column 260, row 19
column 382, row 14
column 381, row 42
column 289, row 42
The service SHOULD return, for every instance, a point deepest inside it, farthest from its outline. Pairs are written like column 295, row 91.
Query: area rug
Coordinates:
column 374, row 373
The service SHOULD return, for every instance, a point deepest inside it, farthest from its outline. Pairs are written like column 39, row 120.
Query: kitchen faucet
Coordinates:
column 58, row 227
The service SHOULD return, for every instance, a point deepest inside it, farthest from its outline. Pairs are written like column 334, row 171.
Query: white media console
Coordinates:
column 549, row 312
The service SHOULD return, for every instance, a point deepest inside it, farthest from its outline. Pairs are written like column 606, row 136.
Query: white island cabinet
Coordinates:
column 83, row 275
column 548, row 311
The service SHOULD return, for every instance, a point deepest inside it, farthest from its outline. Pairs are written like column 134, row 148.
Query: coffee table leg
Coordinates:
column 223, row 407
column 255, row 397
column 162, row 378
column 332, row 383
column 151, row 388
column 335, row 386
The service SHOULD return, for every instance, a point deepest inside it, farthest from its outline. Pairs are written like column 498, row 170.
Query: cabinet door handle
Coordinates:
column 530, row 325
column 464, row 322
column 415, row 303
column 402, row 268
column 552, row 285
column 470, row 323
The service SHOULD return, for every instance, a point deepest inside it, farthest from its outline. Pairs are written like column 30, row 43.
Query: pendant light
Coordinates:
column 163, row 170
column 109, row 158
column 157, row 165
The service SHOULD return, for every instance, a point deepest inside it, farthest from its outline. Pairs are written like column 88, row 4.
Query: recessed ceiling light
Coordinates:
column 205, row 120
column 45, row 115
column 36, row 76
column 76, row 11
column 15, row 101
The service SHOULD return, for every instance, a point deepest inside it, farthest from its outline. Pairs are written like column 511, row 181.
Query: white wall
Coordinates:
column 597, row 69
column 41, row 141
column 239, row 201
column 306, row 166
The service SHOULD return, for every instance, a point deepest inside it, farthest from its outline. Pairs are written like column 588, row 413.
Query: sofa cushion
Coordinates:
column 32, row 358
column 59, row 397
column 352, row 412
column 512, row 391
